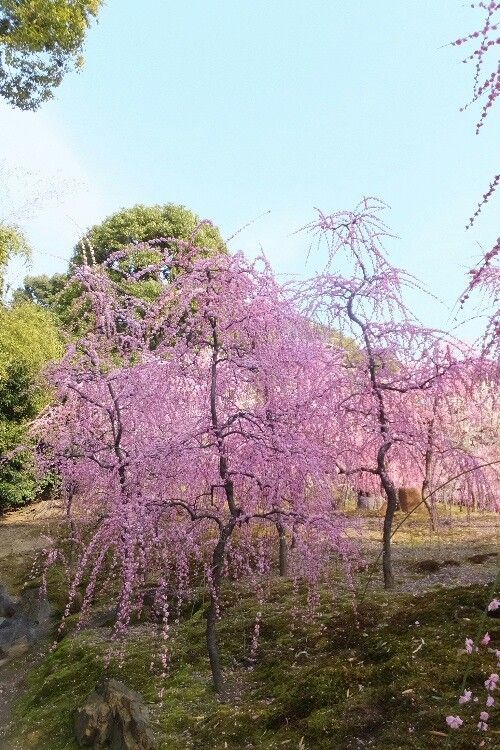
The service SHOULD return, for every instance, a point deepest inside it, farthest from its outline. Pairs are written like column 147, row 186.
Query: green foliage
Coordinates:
column 57, row 295
column 40, row 41
column 349, row 679
column 28, row 339
column 137, row 224
column 141, row 223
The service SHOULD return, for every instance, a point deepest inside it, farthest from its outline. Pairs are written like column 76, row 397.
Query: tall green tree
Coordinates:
column 142, row 223
column 129, row 225
column 40, row 42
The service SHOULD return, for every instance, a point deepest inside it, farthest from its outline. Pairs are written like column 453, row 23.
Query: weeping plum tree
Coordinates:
column 456, row 426
column 194, row 430
column 392, row 378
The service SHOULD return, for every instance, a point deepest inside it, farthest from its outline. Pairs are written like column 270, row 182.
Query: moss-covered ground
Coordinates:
column 382, row 674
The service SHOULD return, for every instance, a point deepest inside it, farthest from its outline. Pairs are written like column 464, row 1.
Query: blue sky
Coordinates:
column 237, row 108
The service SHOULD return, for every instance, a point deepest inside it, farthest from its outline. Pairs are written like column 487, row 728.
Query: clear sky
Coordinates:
column 239, row 107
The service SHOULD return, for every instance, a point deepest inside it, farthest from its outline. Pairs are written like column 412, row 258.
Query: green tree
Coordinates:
column 28, row 340
column 141, row 223
column 40, row 41
column 136, row 224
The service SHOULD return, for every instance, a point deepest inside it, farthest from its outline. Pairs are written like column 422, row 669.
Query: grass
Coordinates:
column 382, row 676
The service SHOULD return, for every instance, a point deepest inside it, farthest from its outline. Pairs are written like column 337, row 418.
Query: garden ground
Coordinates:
column 376, row 669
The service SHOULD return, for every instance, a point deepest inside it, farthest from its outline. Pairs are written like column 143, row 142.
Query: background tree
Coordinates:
column 396, row 358
column 138, row 224
column 40, row 42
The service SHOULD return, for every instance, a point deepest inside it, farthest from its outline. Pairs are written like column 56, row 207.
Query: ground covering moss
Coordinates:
column 383, row 675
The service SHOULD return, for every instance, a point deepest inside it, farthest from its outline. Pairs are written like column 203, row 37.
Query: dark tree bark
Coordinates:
column 283, row 550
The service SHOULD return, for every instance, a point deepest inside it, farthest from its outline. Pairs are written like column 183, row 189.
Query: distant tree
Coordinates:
column 389, row 413
column 137, row 224
column 143, row 223
column 40, row 42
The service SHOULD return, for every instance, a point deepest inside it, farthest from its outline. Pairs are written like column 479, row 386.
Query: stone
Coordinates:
column 34, row 607
column 92, row 722
column 29, row 619
column 114, row 716
column 7, row 603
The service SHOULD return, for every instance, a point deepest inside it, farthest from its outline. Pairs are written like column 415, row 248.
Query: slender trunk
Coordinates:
column 392, row 501
column 428, row 467
column 219, row 553
column 211, row 631
column 431, row 508
column 283, row 550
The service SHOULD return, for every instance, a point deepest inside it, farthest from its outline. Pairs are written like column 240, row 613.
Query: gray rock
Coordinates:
column 34, row 607
column 28, row 622
column 116, row 717
column 7, row 603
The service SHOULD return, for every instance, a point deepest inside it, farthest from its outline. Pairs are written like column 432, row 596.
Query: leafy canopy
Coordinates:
column 40, row 41
column 143, row 223
column 138, row 224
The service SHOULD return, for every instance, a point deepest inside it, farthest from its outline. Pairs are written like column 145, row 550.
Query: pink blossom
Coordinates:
column 490, row 701
column 493, row 605
column 484, row 716
column 454, row 722
column 469, row 645
column 466, row 697
column 486, row 639
column 491, row 682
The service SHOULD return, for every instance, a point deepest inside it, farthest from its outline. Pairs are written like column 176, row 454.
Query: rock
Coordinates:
column 114, row 716
column 15, row 639
column 92, row 722
column 28, row 621
column 34, row 607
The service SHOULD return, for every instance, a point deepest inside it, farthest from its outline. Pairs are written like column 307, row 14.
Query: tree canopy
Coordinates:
column 137, row 224
column 40, row 42
column 142, row 223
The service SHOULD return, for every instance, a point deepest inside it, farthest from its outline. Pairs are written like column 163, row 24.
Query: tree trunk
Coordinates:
column 212, row 639
column 211, row 631
column 392, row 501
column 213, row 646
column 283, row 550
